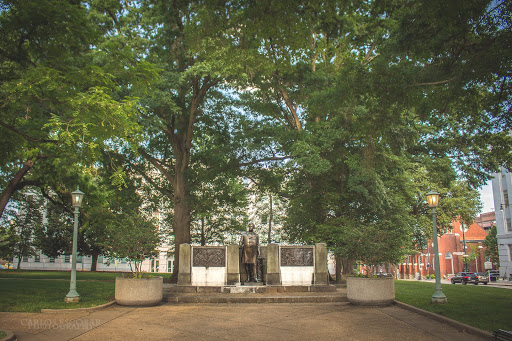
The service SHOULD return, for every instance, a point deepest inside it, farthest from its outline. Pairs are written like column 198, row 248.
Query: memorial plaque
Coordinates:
column 297, row 256
column 209, row 256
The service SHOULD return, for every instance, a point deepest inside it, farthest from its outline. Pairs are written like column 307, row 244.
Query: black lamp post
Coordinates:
column 433, row 202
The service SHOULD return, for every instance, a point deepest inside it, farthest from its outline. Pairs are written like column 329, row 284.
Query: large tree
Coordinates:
column 60, row 102
column 179, row 37
column 368, row 92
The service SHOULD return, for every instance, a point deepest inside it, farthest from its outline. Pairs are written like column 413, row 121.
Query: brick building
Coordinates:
column 451, row 251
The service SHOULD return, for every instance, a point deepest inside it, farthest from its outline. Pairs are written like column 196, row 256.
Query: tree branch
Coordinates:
column 252, row 162
column 164, row 191
column 27, row 137
column 435, row 83
column 53, row 201
column 158, row 165
column 291, row 107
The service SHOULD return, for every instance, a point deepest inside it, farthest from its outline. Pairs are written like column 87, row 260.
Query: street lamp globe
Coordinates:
column 77, row 197
column 433, row 199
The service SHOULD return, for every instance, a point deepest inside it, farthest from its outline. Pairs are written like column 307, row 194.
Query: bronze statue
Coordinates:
column 250, row 242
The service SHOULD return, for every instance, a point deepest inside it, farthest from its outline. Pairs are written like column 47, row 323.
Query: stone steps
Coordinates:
column 248, row 288
column 254, row 294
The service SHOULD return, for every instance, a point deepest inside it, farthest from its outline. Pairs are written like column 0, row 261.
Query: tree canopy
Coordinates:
column 349, row 111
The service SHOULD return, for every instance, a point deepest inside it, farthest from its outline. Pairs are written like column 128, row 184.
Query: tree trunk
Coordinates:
column 11, row 186
column 181, row 221
column 339, row 268
column 180, row 136
column 348, row 266
column 203, row 239
column 271, row 216
column 94, row 260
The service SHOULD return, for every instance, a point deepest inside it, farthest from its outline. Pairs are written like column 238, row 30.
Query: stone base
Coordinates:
column 139, row 292
column 252, row 284
column 256, row 288
column 371, row 291
column 245, row 289
column 321, row 278
column 254, row 294
column 439, row 298
column 184, row 278
column 232, row 279
column 273, row 279
column 74, row 299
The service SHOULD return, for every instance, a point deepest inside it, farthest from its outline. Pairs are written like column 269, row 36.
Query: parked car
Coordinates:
column 482, row 277
column 465, row 278
column 384, row 274
column 493, row 275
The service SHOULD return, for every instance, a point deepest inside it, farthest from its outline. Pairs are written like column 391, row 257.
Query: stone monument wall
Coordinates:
column 281, row 265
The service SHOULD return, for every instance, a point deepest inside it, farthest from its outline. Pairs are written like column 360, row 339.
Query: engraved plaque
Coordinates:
column 297, row 256
column 208, row 256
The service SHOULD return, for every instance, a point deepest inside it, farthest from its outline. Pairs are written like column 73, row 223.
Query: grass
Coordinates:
column 487, row 308
column 64, row 275
column 20, row 295
column 31, row 291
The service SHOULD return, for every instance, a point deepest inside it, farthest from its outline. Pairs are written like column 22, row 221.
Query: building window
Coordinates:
column 25, row 259
column 52, row 260
column 505, row 198
column 509, row 253
column 37, row 258
column 79, row 259
column 155, row 265
column 509, row 225
column 123, row 260
column 67, row 258
column 100, row 259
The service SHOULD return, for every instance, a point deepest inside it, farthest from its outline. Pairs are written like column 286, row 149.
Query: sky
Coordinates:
column 487, row 198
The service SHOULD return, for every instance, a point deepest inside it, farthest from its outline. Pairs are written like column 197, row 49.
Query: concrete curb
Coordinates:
column 9, row 337
column 99, row 307
column 456, row 324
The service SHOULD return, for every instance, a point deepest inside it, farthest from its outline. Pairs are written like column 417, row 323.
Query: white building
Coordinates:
column 163, row 263
column 502, row 188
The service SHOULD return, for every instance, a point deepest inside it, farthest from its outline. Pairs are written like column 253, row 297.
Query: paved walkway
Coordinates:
column 297, row 321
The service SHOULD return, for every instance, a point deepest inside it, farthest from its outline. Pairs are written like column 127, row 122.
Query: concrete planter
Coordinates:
column 371, row 291
column 139, row 292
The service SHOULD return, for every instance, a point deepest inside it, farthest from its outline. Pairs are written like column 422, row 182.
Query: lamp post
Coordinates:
column 433, row 202
column 463, row 228
column 73, row 296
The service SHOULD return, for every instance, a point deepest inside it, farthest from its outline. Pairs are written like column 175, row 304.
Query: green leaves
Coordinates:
column 491, row 246
column 118, row 178
column 133, row 237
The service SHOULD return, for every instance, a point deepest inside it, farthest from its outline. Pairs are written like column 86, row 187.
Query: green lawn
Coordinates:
column 484, row 307
column 65, row 275
column 33, row 295
column 31, row 291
